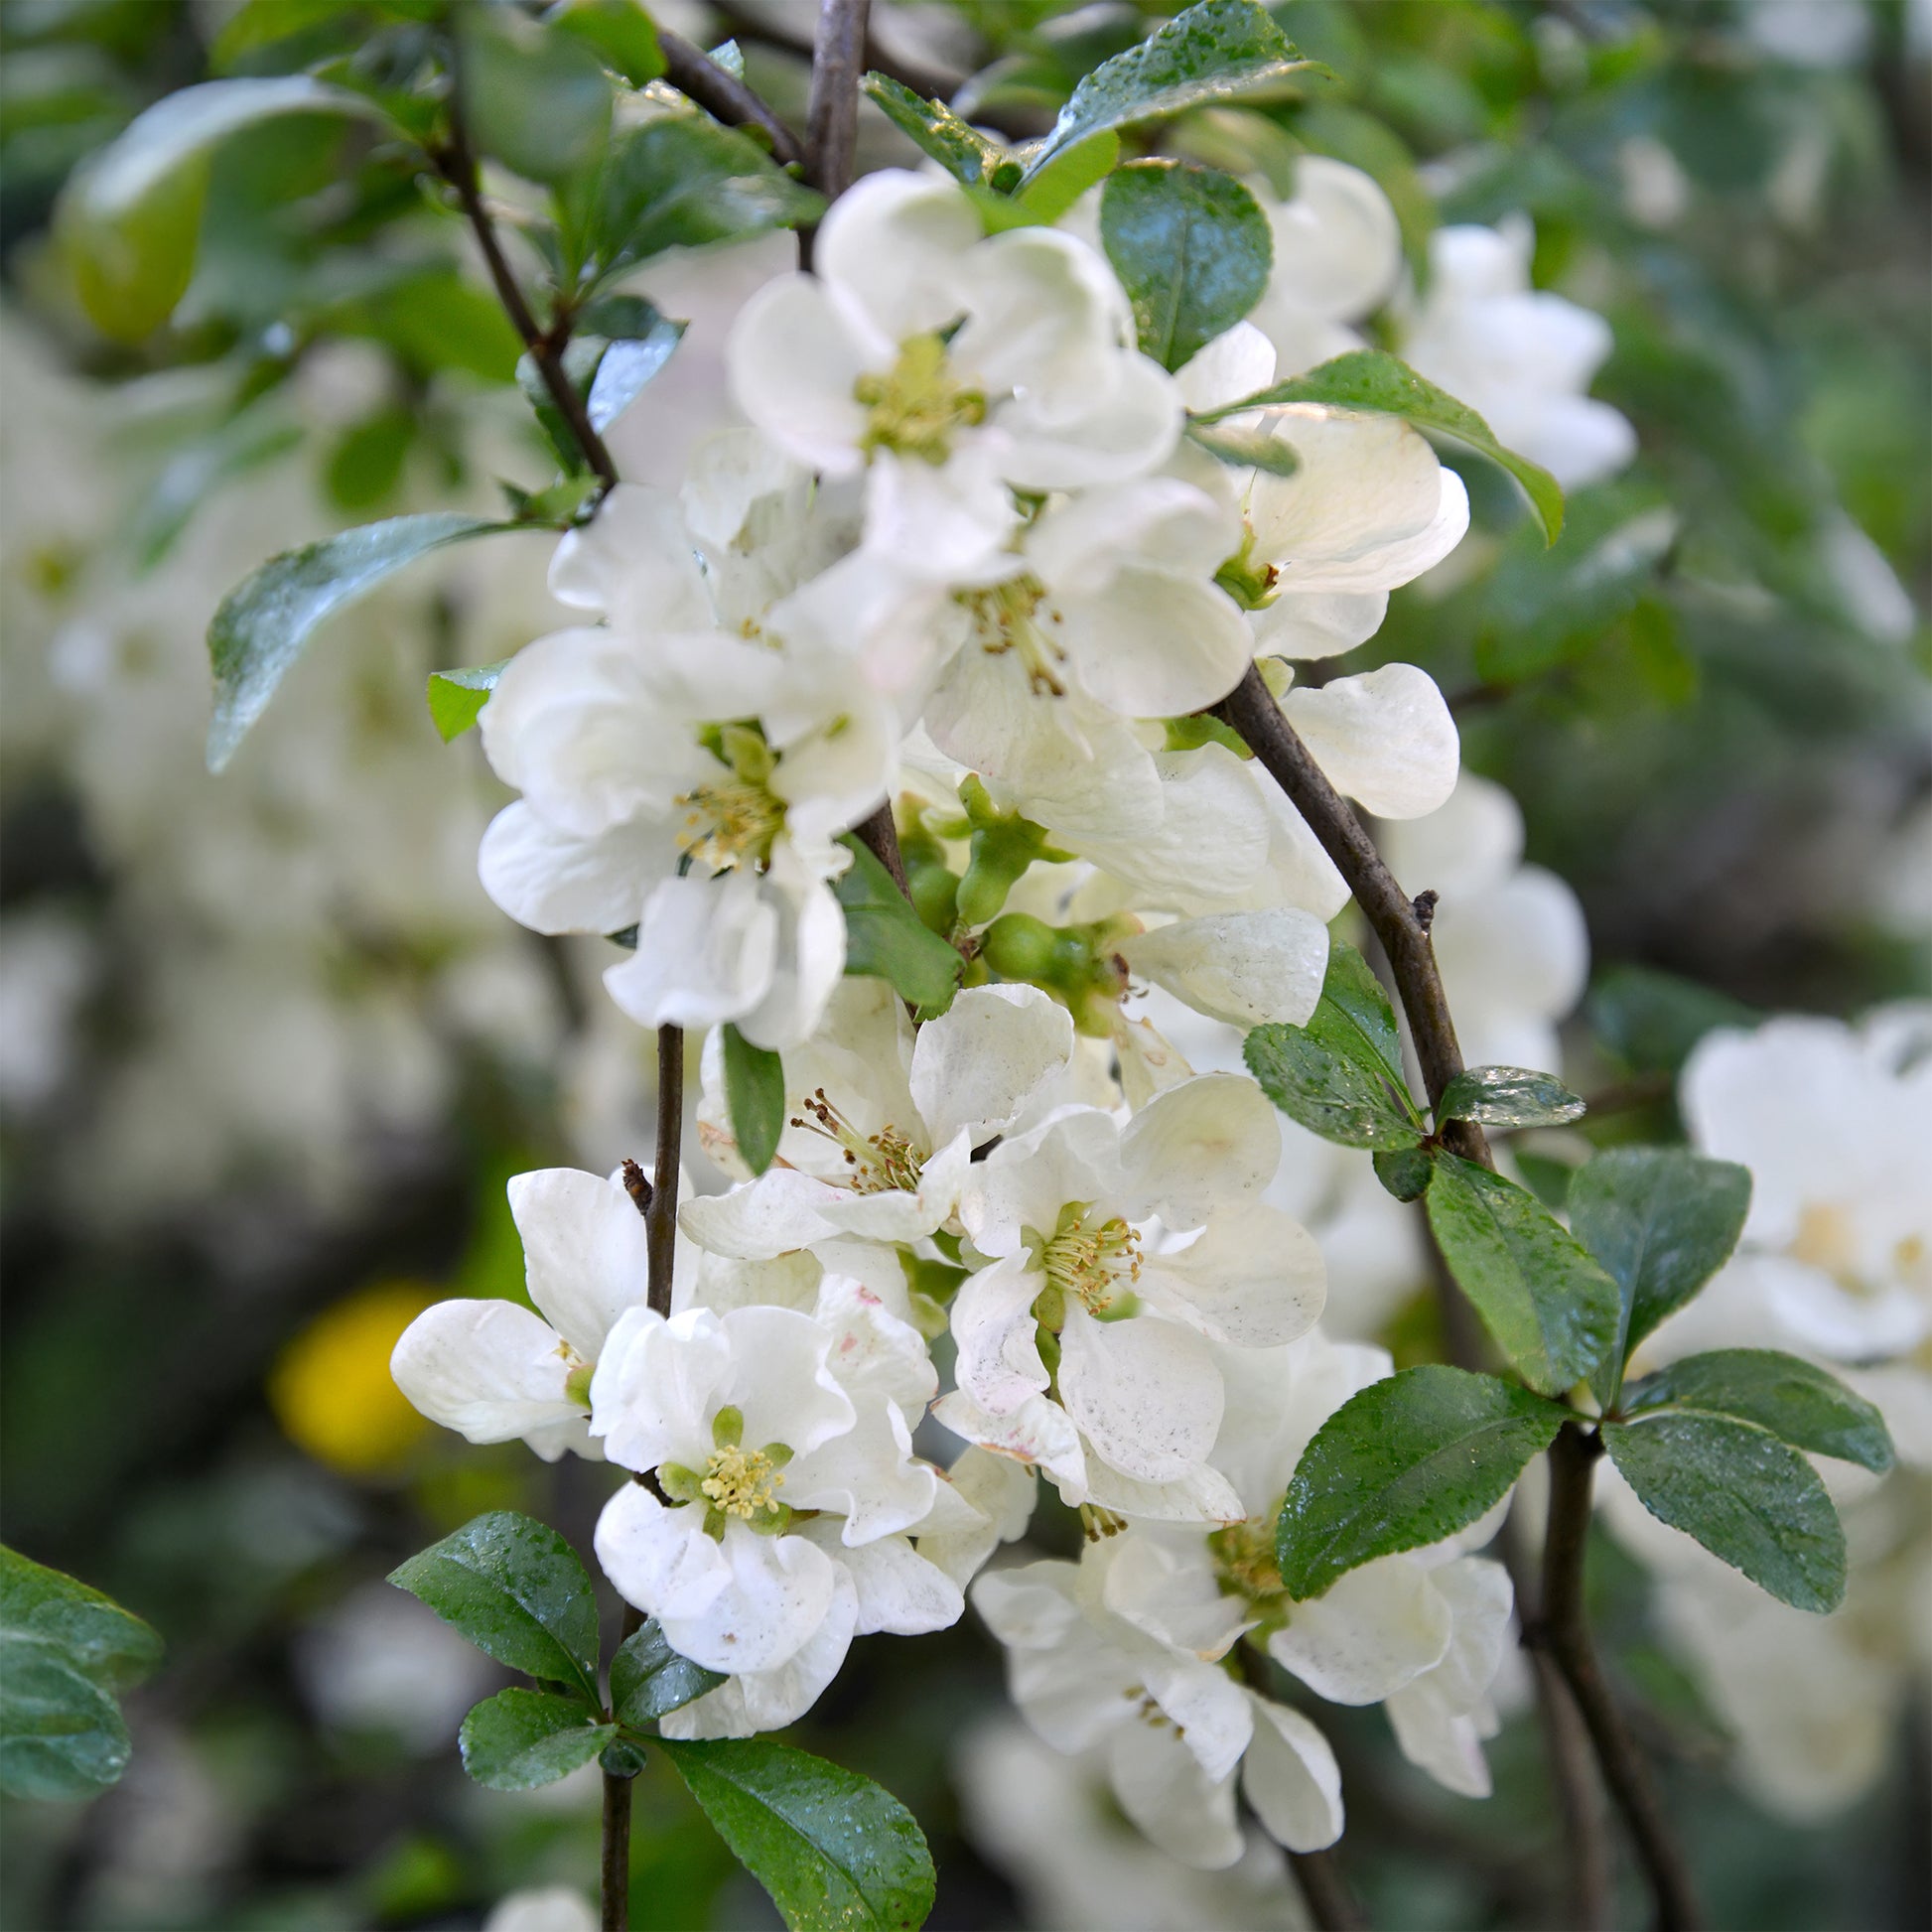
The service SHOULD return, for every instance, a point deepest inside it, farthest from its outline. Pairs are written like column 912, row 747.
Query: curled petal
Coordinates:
column 1385, row 738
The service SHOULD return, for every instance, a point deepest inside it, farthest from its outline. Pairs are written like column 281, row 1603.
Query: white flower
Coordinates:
column 1092, row 1316
column 881, row 1123
column 953, row 365
column 1520, row 358
column 544, row 1909
column 781, row 1443
column 490, row 1369
column 1086, row 1671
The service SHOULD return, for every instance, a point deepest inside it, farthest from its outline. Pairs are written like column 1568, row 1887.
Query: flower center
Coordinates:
column 879, row 1164
column 1095, row 1262
column 741, row 1483
column 1005, row 619
column 914, row 407
column 1243, row 1554
column 734, row 820
column 735, row 1484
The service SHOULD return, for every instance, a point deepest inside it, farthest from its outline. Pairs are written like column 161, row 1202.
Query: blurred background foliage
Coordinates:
column 268, row 1058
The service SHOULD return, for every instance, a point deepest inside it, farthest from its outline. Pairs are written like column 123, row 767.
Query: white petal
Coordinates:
column 1255, row 1278
column 1368, row 1634
column 656, row 1386
column 780, row 1592
column 993, row 1323
column 1145, row 1393
column 489, row 1370
column 942, row 522
column 894, row 245
column 1155, row 643
column 1233, row 366
column 1290, row 1778
column 985, row 1500
column 1074, row 1155
column 769, row 1699
column 1046, row 320
column 586, row 1258
column 874, row 1353
column 1080, row 545
column 796, row 356
column 808, row 960
column 707, row 951
column 1337, row 243
column 1203, row 1495
column 1384, row 737
column 659, row 1558
column 1037, row 1435
column 1164, row 1791
column 552, row 880
column 900, row 1590
column 1446, row 1744
column 1208, row 1143
column 1245, row 968
column 1131, row 427
column 781, row 1380
column 1318, row 623
column 635, row 564
column 976, row 1067
column 781, row 1211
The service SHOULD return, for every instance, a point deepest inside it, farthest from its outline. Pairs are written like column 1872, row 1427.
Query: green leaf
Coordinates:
column 516, row 1589
column 1212, row 51
column 932, row 127
column 580, row 361
column 754, row 1090
column 1651, row 1020
column 367, row 462
column 1191, row 248
column 1404, row 1171
column 1744, row 1495
column 1402, row 1465
column 1247, row 448
column 537, row 101
column 1551, row 1309
column 1662, row 1220
column 457, row 698
column 64, row 1649
column 519, row 1739
column 1795, row 1400
column 200, row 467
column 1340, row 1075
column 885, row 937
column 626, row 366
column 1508, row 1097
column 649, row 1679
column 1069, row 176
column 129, row 219
column 266, row 620
column 435, row 320
column 1369, row 378
column 836, row 1852
column 618, row 29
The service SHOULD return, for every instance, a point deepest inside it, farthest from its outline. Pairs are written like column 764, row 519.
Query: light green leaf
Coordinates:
column 1369, row 378
column 1247, row 448
column 516, row 1589
column 886, row 939
column 457, row 698
column 1662, row 1220
column 965, row 153
column 1551, row 1309
column 519, row 1740
column 265, row 621
column 836, row 1852
column 626, row 366
column 536, row 99
column 368, row 461
column 1069, row 176
column 754, row 1090
column 1340, row 1075
column 1193, row 249
column 1651, row 1020
column 1402, row 1465
column 1508, row 1097
column 1798, row 1402
column 1744, row 1495
column 1215, row 51
column 618, row 29
column 649, row 1679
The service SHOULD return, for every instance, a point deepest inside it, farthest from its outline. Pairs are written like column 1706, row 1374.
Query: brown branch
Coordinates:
column 1331, row 1905
column 660, row 1221
column 832, row 118
column 723, row 95
column 613, row 1868
column 880, row 836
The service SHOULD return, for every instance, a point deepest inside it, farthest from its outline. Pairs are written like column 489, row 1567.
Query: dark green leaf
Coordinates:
column 1662, row 1220
column 649, row 1679
column 836, row 1852
column 266, row 620
column 1551, row 1309
column 1369, row 378
column 580, row 359
column 1340, row 1075
column 435, row 320
column 366, row 464
column 536, row 99
column 965, row 153
column 621, row 32
column 1402, row 1465
column 626, row 368
column 1508, row 1097
column 1191, row 248
column 1740, row 1492
column 1795, row 1400
column 1247, row 448
column 1212, row 51
column 457, row 698
column 1069, row 176
column 754, row 1090
column 1651, row 1020
column 519, row 1740
column 110, row 1644
column 516, row 1589
column 886, row 939
column 1404, row 1171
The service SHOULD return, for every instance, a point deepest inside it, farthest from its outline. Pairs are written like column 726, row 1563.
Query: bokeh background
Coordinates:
column 267, row 1055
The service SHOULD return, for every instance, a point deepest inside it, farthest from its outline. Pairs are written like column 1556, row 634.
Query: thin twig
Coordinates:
column 927, row 82
column 660, row 1221
column 1565, row 1630
column 695, row 74
column 1331, row 1905
column 614, row 1870
column 880, row 836
column 832, row 118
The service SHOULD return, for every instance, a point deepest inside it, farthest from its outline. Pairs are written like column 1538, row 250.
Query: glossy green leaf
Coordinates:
column 1340, row 1075
column 534, row 98
column 649, row 1679
column 1798, row 1402
column 1748, row 1497
column 755, row 1091
column 457, row 698
column 1193, row 249
column 1369, row 378
column 519, row 1740
column 1069, row 176
column 1404, row 1171
column 516, row 1589
column 959, row 148
column 885, row 937
column 1212, row 51
column 1403, row 1463
column 265, row 622
column 1662, row 1220
column 620, row 31
column 836, row 1852
column 1508, row 1097
column 1551, row 1309
column 626, row 366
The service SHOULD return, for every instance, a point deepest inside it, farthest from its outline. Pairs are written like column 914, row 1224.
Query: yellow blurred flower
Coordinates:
column 331, row 1389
